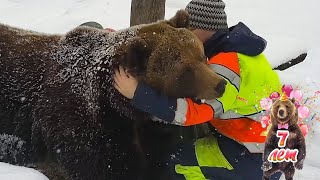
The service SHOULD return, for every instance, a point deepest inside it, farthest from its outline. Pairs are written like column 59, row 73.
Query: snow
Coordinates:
column 10, row 172
column 60, row 16
column 289, row 26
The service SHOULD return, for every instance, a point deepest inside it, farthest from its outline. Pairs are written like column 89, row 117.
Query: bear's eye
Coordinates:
column 205, row 58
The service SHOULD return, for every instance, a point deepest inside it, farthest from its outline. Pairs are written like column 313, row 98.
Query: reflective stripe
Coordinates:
column 209, row 154
column 255, row 147
column 181, row 112
column 190, row 172
column 233, row 77
column 217, row 107
column 230, row 60
column 233, row 115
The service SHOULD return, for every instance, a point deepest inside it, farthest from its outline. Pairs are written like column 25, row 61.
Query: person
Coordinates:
column 233, row 151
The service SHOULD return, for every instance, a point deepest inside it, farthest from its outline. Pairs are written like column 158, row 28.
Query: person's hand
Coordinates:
column 125, row 83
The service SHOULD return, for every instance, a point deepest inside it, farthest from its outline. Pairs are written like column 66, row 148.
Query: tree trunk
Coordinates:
column 146, row 11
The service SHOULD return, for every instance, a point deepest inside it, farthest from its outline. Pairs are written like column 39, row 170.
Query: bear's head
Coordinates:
column 284, row 111
column 171, row 59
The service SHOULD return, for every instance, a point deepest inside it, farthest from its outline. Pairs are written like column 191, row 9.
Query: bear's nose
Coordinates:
column 221, row 87
column 281, row 112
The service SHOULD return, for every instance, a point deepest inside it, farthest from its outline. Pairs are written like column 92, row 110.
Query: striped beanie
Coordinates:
column 207, row 15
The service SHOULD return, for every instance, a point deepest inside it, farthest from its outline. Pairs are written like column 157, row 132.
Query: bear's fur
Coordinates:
column 284, row 112
column 58, row 104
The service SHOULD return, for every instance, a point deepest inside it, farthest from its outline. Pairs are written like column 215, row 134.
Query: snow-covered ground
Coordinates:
column 10, row 172
column 289, row 26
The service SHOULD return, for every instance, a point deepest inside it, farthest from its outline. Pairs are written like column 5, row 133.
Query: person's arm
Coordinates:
column 180, row 111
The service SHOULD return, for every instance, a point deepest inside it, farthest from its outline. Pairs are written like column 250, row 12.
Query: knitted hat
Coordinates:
column 207, row 15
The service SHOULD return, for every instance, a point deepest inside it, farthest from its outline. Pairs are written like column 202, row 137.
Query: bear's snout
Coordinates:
column 282, row 113
column 210, row 85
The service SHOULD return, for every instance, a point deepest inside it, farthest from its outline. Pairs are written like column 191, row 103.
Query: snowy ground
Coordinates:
column 289, row 26
column 10, row 172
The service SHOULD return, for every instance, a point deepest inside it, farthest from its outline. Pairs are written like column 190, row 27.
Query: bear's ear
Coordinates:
column 180, row 20
column 293, row 100
column 134, row 56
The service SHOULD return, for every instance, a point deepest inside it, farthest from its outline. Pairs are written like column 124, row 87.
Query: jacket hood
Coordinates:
column 239, row 39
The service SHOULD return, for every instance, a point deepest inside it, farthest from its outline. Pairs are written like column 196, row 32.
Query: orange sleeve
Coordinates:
column 229, row 60
column 198, row 113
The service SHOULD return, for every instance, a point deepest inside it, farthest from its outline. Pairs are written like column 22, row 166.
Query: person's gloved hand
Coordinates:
column 125, row 83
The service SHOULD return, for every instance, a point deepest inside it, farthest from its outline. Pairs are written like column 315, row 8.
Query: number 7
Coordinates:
column 283, row 135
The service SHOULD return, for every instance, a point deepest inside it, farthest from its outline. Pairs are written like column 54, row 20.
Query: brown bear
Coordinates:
column 58, row 107
column 284, row 115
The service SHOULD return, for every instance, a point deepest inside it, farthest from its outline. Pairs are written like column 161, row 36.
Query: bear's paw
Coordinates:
column 266, row 166
column 299, row 165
